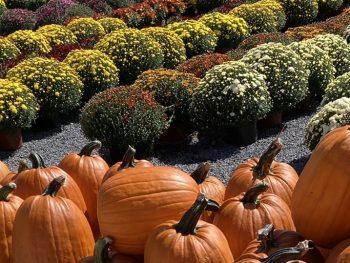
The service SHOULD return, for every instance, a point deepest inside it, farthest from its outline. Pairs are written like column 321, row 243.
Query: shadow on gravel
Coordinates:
column 299, row 163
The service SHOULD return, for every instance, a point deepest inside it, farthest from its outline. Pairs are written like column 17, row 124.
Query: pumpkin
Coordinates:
column 131, row 203
column 240, row 217
column 127, row 162
column 320, row 202
column 87, row 170
column 8, row 208
column 33, row 181
column 340, row 253
column 212, row 187
column 270, row 240
column 281, row 177
column 189, row 240
column 12, row 175
column 51, row 229
column 4, row 170
column 103, row 255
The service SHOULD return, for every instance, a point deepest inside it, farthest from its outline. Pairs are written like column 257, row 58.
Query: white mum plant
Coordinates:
column 338, row 88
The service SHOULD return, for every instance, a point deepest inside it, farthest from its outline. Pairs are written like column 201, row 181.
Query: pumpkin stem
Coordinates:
column 37, row 160
column 262, row 169
column 188, row 222
column 251, row 196
column 292, row 253
column 54, row 186
column 88, row 148
column 23, row 165
column 212, row 206
column 201, row 172
column 101, row 250
column 265, row 236
column 6, row 190
column 128, row 158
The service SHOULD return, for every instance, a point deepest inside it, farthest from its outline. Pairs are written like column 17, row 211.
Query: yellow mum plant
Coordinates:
column 86, row 27
column 30, row 42
column 8, row 50
column 111, row 24
column 57, row 35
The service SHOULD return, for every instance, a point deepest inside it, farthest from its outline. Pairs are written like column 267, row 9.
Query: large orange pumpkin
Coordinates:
column 212, row 187
column 4, row 170
column 128, row 161
column 131, row 203
column 103, row 255
column 240, row 217
column 340, row 253
column 281, row 177
column 320, row 203
column 270, row 240
column 12, row 175
column 189, row 240
column 51, row 229
column 87, row 170
column 33, row 181
column 9, row 205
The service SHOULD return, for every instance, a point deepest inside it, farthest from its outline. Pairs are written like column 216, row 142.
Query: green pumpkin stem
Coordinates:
column 292, row 253
column 262, row 169
column 37, row 160
column 6, row 190
column 88, row 148
column 201, row 172
column 265, row 236
column 101, row 250
column 212, row 206
column 128, row 158
column 188, row 222
column 22, row 166
column 252, row 195
column 54, row 186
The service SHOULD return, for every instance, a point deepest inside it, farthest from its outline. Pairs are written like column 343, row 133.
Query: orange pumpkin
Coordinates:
column 240, row 217
column 281, row 177
column 87, row 170
column 12, row 175
column 4, row 170
column 189, row 240
column 103, row 255
column 212, row 187
column 270, row 240
column 51, row 229
column 340, row 253
column 131, row 203
column 33, row 181
column 127, row 162
column 320, row 203
column 9, row 205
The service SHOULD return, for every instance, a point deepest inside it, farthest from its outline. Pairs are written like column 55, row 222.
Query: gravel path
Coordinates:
column 54, row 144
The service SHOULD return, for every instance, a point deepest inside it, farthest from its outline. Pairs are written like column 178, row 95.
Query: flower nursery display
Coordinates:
column 174, row 131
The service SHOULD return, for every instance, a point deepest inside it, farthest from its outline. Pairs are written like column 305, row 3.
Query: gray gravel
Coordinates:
column 55, row 143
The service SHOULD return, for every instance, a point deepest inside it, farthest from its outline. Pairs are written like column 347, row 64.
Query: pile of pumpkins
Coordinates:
column 85, row 211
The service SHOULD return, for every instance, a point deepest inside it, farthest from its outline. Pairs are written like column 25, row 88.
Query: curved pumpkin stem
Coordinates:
column 88, row 148
column 292, row 253
column 128, row 158
column 265, row 236
column 37, row 160
column 22, row 166
column 201, row 172
column 6, row 190
column 54, row 186
column 188, row 223
column 262, row 169
column 101, row 250
column 251, row 196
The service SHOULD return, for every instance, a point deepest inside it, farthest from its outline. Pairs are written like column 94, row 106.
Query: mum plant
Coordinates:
column 172, row 45
column 30, row 42
column 111, row 24
column 56, row 86
column 230, row 30
column 285, row 73
column 86, row 27
column 57, row 35
column 132, row 51
column 8, row 50
column 198, row 38
column 330, row 116
column 12, row 20
column 230, row 94
column 96, row 70
column 338, row 88
column 53, row 12
column 123, row 116
column 18, row 106
column 319, row 64
column 300, row 12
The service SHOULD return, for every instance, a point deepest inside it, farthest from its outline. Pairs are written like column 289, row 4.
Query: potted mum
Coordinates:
column 18, row 109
